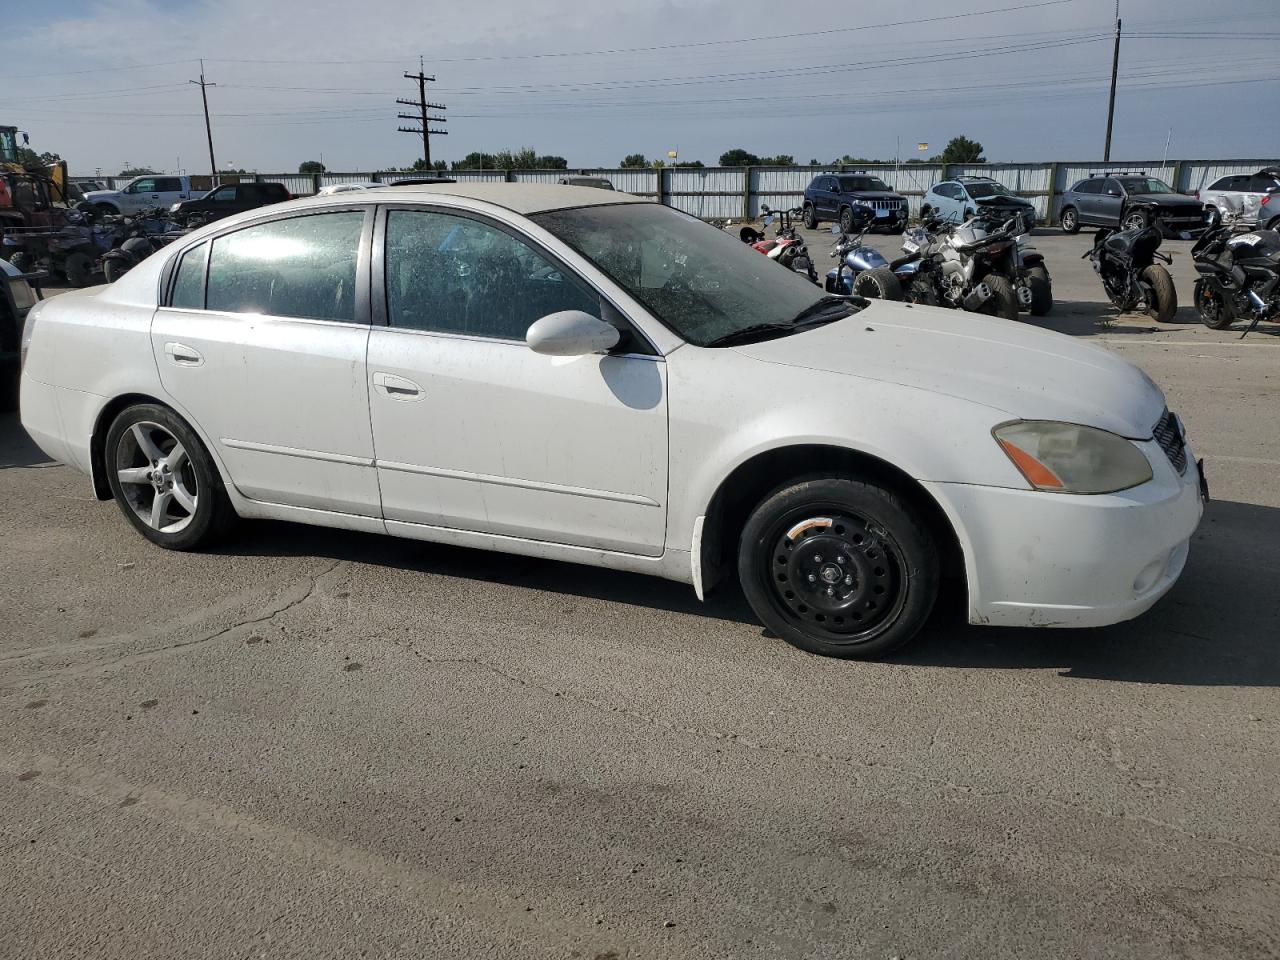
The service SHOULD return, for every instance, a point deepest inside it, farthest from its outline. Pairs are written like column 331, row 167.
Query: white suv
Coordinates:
column 1251, row 198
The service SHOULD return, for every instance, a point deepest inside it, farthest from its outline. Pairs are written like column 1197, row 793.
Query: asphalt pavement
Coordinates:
column 312, row 743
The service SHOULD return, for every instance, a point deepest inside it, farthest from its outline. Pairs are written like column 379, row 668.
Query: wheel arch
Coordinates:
column 102, row 424
column 751, row 481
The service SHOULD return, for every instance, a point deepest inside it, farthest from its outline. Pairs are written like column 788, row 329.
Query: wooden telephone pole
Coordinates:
column 1111, row 103
column 208, row 130
column 422, row 117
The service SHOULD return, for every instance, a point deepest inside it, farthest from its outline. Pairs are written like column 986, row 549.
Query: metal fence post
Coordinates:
column 1053, row 192
column 315, row 183
column 746, row 193
column 1178, row 185
column 659, row 174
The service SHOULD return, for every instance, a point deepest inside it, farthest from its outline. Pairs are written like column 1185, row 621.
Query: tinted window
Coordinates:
column 1089, row 186
column 1222, row 183
column 223, row 194
column 700, row 282
column 1137, row 185
column 1112, row 186
column 168, row 185
column 951, row 191
column 988, row 190
column 1262, row 183
column 850, row 184
column 303, row 267
column 188, row 286
column 451, row 274
column 144, row 186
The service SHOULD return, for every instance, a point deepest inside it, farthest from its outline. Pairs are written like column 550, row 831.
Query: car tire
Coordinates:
column 1134, row 220
column 1215, row 312
column 969, row 214
column 810, row 216
column 194, row 509
column 846, row 220
column 1004, row 299
column 22, row 261
column 1163, row 292
column 871, row 592
column 1041, row 291
column 78, row 267
column 1274, row 224
column 104, row 209
column 1069, row 219
column 878, row 284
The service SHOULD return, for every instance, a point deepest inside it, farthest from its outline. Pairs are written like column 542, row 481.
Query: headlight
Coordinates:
column 1068, row 458
column 174, row 208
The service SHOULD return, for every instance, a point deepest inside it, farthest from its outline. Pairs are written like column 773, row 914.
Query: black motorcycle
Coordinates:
column 1125, row 261
column 1239, row 276
column 135, row 239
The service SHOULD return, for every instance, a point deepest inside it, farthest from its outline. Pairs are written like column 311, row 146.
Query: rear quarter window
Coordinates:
column 188, row 285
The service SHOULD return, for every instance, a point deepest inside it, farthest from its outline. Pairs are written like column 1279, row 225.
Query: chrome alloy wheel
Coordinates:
column 157, row 477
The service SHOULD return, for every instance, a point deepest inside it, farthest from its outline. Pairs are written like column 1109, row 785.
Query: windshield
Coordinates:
column 701, row 282
column 987, row 190
column 850, row 184
column 1146, row 185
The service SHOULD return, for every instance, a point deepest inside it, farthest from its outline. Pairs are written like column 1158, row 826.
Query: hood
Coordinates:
column 1017, row 370
column 1168, row 200
column 101, row 194
column 874, row 195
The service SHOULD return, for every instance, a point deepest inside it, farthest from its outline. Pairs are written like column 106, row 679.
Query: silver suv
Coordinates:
column 1251, row 198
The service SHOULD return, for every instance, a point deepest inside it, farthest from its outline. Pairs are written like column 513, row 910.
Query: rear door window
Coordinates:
column 301, row 267
column 1089, row 186
column 188, row 285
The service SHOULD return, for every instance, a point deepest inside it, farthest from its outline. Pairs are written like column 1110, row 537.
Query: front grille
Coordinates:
column 1168, row 433
column 884, row 204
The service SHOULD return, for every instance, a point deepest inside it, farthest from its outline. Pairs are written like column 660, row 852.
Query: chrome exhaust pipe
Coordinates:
column 980, row 295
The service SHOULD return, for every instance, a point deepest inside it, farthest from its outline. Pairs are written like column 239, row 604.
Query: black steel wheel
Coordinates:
column 839, row 567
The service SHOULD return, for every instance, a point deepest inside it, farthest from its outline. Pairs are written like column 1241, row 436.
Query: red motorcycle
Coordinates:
column 786, row 246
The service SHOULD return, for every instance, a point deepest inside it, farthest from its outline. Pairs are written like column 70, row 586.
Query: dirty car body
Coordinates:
column 567, row 373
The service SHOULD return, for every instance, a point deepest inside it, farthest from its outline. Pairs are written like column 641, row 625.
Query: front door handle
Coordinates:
column 181, row 354
column 397, row 388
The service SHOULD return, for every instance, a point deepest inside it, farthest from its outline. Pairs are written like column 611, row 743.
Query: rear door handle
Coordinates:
column 180, row 353
column 397, row 388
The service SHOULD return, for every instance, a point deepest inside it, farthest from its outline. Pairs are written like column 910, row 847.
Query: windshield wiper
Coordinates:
column 813, row 315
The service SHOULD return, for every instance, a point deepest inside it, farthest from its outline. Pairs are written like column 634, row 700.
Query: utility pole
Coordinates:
column 421, row 116
column 213, row 166
column 1111, row 103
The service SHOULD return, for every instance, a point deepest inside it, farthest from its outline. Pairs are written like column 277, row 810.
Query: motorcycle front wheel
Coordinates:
column 1215, row 311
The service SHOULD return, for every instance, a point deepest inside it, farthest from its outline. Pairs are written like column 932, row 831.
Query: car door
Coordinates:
column 261, row 342
column 953, row 204
column 138, row 195
column 1110, row 202
column 475, row 431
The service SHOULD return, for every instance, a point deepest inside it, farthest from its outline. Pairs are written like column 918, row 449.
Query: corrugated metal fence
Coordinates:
column 738, row 192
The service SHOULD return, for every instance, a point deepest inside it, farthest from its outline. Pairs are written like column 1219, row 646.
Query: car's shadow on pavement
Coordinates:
column 1220, row 626
column 17, row 449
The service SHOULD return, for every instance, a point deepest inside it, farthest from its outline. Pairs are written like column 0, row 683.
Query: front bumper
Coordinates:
column 1056, row 560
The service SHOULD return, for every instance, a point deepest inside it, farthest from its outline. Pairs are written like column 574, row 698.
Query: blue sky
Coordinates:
column 104, row 82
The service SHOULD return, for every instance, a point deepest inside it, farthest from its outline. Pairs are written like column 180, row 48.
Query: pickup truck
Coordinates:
column 141, row 193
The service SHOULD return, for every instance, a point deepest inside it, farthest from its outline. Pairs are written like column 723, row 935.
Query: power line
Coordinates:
column 422, row 116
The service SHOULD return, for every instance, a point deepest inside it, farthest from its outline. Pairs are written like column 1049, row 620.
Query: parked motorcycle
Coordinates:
column 786, row 246
column 1125, row 262
column 136, row 238
column 1239, row 276
column 862, row 270
column 966, row 266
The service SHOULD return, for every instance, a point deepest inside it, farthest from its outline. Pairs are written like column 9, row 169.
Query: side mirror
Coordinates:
column 571, row 333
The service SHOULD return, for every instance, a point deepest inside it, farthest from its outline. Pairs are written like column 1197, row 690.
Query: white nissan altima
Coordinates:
column 568, row 373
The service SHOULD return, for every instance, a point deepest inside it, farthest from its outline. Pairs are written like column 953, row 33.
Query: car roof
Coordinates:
column 522, row 198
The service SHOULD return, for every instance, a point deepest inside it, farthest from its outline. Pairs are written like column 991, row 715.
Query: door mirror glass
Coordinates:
column 571, row 333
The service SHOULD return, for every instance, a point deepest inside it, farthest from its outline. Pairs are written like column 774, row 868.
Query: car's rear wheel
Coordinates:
column 164, row 480
column 1070, row 220
column 878, row 283
column 810, row 216
column 839, row 566
column 1163, row 303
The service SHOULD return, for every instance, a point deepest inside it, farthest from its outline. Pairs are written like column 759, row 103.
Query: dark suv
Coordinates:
column 1130, row 200
column 834, row 196
column 227, row 199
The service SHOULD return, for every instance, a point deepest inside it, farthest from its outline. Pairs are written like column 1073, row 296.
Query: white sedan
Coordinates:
column 567, row 373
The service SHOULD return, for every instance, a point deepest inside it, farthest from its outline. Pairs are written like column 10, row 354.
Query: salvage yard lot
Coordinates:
column 313, row 743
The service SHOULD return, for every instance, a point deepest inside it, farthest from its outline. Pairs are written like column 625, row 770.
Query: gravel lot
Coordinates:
column 322, row 744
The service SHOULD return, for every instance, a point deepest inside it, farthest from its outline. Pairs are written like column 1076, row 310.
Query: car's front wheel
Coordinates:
column 1070, row 220
column 1134, row 220
column 839, row 566
column 810, row 216
column 164, row 480
column 846, row 220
